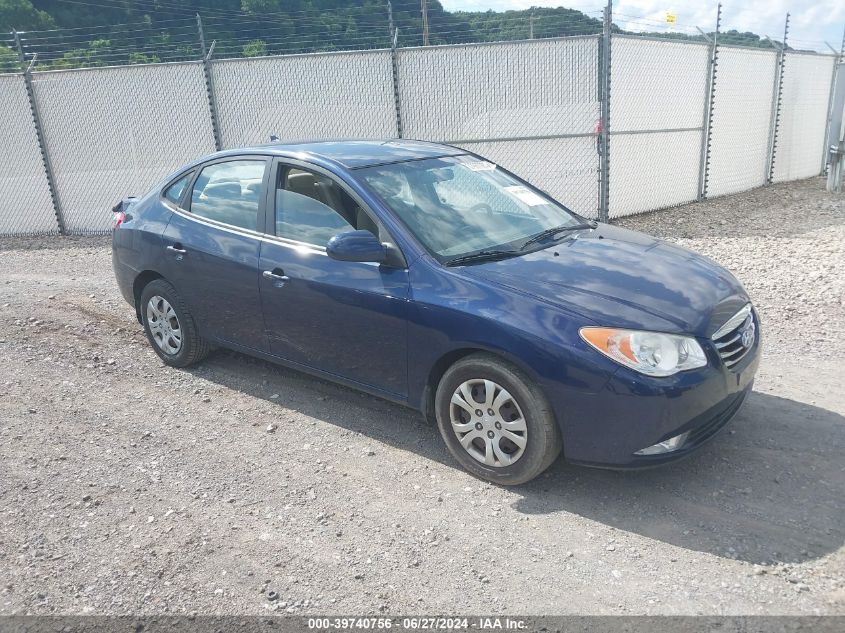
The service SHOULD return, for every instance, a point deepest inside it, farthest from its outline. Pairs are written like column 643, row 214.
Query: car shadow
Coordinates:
column 768, row 489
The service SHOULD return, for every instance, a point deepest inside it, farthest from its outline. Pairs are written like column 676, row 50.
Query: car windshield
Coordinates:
column 458, row 206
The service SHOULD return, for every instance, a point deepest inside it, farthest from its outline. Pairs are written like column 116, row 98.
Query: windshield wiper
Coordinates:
column 481, row 256
column 554, row 231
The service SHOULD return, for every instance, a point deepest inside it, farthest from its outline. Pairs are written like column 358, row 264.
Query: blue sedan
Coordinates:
column 427, row 275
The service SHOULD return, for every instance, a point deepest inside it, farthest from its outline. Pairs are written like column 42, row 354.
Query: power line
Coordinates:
column 90, row 27
column 206, row 11
column 234, row 28
column 302, row 30
column 424, row 11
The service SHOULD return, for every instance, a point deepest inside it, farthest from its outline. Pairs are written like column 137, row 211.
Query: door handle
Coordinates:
column 272, row 274
column 177, row 248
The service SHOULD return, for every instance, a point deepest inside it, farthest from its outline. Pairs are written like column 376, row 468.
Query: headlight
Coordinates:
column 650, row 353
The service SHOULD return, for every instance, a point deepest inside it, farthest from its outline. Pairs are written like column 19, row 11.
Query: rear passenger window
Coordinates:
column 174, row 192
column 229, row 193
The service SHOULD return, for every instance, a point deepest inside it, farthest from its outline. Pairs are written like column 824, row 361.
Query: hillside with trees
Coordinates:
column 77, row 33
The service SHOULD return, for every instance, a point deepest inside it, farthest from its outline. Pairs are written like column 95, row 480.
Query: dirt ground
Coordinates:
column 130, row 487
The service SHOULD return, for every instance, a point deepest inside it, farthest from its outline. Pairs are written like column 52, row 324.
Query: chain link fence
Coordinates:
column 76, row 141
column 530, row 106
column 27, row 207
column 742, row 119
column 305, row 97
column 804, row 113
column 657, row 113
column 113, row 132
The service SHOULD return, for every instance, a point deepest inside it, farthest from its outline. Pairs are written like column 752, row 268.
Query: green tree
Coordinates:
column 255, row 48
column 155, row 29
column 74, row 58
column 140, row 58
column 21, row 15
column 98, row 53
column 260, row 6
column 745, row 39
column 8, row 60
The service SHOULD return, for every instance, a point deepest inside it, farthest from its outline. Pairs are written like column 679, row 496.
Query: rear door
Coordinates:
column 345, row 318
column 211, row 248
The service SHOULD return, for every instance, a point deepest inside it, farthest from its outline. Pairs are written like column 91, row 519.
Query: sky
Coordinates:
column 811, row 21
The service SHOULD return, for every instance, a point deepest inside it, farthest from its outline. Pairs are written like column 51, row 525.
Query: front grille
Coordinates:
column 736, row 337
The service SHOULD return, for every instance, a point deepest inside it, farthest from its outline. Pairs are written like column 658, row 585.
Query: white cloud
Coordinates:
column 811, row 21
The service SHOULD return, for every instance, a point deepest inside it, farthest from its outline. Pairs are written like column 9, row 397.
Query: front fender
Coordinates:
column 450, row 313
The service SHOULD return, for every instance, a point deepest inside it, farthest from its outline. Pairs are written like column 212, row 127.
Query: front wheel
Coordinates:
column 170, row 326
column 495, row 421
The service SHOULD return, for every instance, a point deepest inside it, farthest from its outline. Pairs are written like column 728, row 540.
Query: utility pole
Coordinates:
column 19, row 48
column 531, row 26
column 842, row 46
column 424, row 10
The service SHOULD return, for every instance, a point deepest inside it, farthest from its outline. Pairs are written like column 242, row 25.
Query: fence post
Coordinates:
column 209, row 85
column 778, row 98
column 394, row 33
column 837, row 59
column 39, row 135
column 604, row 138
column 707, row 121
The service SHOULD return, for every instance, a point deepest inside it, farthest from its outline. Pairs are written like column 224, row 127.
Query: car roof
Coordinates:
column 356, row 154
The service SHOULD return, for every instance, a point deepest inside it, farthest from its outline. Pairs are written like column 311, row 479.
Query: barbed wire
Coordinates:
column 275, row 33
column 93, row 28
column 234, row 35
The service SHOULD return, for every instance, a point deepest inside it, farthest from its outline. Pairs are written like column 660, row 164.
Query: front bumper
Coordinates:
column 634, row 411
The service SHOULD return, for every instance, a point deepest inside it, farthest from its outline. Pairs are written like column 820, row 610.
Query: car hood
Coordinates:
column 621, row 278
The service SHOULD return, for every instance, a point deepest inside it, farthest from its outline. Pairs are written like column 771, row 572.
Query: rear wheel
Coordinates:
column 495, row 421
column 170, row 327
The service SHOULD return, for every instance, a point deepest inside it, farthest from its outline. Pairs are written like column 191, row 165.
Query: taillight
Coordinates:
column 119, row 217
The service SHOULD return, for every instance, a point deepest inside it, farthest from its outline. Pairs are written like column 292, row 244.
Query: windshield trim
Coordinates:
column 412, row 160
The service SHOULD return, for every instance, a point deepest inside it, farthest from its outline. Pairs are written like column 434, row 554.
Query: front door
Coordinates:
column 212, row 249
column 345, row 318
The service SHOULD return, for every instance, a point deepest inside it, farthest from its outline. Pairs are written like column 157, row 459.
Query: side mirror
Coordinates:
column 356, row 246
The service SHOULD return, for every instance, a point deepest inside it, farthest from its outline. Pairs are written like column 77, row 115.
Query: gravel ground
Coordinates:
column 131, row 487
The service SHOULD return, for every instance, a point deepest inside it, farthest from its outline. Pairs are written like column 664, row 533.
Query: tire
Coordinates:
column 522, row 410
column 177, row 343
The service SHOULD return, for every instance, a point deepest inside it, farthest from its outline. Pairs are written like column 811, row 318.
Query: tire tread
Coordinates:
column 198, row 348
column 541, row 413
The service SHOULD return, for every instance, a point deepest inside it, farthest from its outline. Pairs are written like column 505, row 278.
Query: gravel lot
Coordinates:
column 130, row 487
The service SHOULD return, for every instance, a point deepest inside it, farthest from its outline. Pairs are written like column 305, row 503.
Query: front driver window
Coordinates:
column 229, row 192
column 312, row 208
